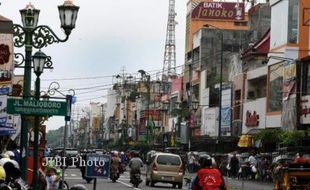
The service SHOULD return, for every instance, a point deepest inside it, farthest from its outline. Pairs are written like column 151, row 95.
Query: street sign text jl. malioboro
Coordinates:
column 36, row 107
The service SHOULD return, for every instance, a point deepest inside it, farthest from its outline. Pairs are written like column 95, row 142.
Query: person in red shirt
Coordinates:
column 301, row 159
column 208, row 178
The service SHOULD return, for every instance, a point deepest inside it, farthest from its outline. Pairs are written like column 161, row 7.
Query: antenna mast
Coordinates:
column 169, row 66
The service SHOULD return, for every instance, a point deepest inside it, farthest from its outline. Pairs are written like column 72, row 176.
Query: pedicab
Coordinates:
column 293, row 177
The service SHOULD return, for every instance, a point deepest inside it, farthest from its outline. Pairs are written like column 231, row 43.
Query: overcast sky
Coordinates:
column 109, row 34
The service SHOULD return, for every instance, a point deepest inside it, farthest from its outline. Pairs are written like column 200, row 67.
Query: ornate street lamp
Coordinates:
column 30, row 16
column 68, row 14
column 39, row 62
column 195, row 105
column 30, row 35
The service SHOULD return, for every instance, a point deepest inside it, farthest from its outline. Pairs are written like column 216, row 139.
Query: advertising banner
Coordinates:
column 289, row 76
column 210, row 122
column 226, row 119
column 97, row 166
column 305, row 110
column 219, row 10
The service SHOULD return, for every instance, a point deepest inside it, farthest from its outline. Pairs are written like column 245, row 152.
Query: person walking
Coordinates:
column 234, row 165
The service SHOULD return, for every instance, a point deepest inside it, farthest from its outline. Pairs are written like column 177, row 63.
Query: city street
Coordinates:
column 73, row 176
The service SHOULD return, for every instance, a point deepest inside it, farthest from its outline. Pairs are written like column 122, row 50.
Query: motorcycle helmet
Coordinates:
column 3, row 155
column 10, row 154
column 2, row 174
column 78, row 187
column 11, row 171
column 205, row 161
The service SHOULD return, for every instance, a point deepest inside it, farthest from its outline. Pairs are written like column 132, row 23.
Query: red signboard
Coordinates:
column 219, row 10
column 154, row 114
column 252, row 119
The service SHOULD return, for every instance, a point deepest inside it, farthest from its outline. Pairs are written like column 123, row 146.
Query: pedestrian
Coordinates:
column 191, row 159
column 300, row 159
column 262, row 167
column 234, row 165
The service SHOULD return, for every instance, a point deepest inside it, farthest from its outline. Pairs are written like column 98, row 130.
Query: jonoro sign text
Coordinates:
column 36, row 107
column 219, row 10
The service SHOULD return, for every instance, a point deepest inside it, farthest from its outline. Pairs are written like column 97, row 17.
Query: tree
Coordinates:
column 292, row 138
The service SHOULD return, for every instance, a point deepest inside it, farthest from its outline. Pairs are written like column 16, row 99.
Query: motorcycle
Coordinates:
column 136, row 179
column 114, row 175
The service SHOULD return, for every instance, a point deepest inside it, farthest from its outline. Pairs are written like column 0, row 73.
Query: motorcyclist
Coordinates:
column 207, row 176
column 135, row 164
column 52, row 178
column 115, row 166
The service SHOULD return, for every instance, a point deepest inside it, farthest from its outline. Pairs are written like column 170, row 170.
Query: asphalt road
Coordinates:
column 73, row 176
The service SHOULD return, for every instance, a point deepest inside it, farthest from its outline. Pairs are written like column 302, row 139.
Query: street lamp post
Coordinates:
column 39, row 62
column 30, row 35
column 221, row 78
column 144, row 74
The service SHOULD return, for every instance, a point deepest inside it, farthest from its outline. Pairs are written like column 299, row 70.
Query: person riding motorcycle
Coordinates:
column 135, row 164
column 208, row 177
column 115, row 165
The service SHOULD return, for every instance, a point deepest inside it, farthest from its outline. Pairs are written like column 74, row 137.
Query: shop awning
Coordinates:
column 245, row 141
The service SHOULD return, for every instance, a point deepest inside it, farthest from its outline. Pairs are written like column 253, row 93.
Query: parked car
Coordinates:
column 165, row 168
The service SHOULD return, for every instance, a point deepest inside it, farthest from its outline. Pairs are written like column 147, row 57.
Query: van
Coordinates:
column 164, row 168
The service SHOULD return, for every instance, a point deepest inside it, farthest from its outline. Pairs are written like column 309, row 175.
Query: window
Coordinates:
column 306, row 78
column 293, row 21
column 256, row 88
column 168, row 160
column 275, row 87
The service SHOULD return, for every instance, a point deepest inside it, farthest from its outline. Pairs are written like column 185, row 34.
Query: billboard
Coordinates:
column 184, row 133
column 219, row 10
column 210, row 122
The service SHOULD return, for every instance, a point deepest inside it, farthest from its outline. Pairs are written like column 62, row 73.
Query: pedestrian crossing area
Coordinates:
column 72, row 176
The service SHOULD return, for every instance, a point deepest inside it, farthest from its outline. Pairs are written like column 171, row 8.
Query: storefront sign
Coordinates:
column 36, row 107
column 219, row 10
column 252, row 119
column 305, row 110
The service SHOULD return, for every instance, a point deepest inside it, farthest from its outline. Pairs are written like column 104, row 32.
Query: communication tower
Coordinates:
column 169, row 67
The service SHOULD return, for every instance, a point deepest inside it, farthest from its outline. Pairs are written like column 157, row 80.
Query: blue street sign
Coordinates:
column 97, row 166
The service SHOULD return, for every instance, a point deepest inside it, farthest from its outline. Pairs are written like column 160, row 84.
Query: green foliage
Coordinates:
column 278, row 136
column 182, row 112
column 292, row 138
column 269, row 136
column 54, row 138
